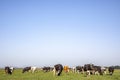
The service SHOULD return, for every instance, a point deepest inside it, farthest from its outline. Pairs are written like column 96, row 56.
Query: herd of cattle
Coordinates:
column 88, row 69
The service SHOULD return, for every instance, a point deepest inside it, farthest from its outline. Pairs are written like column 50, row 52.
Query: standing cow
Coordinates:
column 31, row 69
column 46, row 69
column 26, row 69
column 58, row 69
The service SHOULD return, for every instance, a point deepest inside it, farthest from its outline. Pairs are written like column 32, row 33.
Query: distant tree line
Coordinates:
column 116, row 67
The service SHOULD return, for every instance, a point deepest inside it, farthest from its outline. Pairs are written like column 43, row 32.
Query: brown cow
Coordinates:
column 66, row 69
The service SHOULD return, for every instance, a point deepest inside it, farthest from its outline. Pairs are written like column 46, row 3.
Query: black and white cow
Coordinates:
column 58, row 69
column 103, row 69
column 33, row 69
column 12, row 69
column 92, row 69
column 111, row 70
column 73, row 69
column 88, row 68
column 26, row 69
column 8, row 70
column 79, row 69
column 46, row 69
column 97, row 70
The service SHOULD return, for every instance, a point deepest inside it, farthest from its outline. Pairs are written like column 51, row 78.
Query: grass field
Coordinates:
column 40, row 75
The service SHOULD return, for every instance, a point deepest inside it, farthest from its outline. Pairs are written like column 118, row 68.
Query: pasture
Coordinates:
column 40, row 75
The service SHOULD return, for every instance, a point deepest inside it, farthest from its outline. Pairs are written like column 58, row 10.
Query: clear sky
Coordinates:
column 70, row 32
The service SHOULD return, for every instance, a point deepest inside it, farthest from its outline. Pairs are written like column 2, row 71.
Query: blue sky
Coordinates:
column 70, row 32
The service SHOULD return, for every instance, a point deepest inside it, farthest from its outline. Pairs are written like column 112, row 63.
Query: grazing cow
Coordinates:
column 58, row 69
column 26, row 69
column 8, row 70
column 46, row 69
column 88, row 68
column 79, row 69
column 91, row 69
column 66, row 69
column 97, row 70
column 111, row 70
column 33, row 69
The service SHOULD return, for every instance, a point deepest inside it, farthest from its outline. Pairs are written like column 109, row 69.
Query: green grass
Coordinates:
column 40, row 75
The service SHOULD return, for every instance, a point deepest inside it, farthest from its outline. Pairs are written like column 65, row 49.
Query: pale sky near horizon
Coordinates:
column 70, row 32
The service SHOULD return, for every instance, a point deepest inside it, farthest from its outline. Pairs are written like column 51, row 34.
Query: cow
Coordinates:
column 88, row 68
column 73, row 69
column 12, row 69
column 26, row 69
column 46, row 69
column 79, row 69
column 66, row 69
column 33, row 69
column 8, row 70
column 97, row 70
column 103, row 69
column 58, row 69
column 92, row 69
column 111, row 70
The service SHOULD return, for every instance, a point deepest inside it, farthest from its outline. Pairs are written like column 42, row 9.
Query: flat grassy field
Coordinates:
column 40, row 75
